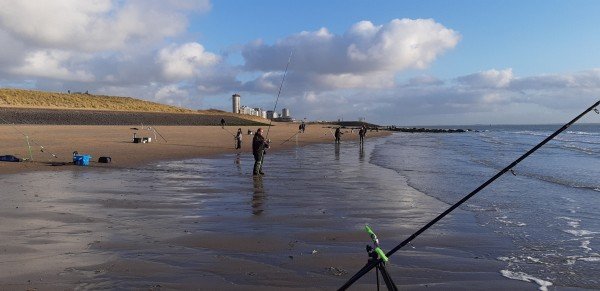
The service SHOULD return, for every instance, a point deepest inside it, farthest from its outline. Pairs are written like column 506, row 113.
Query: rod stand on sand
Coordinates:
column 377, row 256
column 29, row 148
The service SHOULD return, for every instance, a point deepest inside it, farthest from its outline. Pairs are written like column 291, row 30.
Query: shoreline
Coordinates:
column 183, row 142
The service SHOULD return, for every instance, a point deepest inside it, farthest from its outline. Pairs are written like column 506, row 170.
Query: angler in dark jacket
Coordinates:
column 259, row 145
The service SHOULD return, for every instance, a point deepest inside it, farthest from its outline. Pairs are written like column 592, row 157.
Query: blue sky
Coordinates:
column 391, row 62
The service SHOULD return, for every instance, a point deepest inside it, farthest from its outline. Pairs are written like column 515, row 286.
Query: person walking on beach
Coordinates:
column 338, row 135
column 223, row 123
column 259, row 146
column 238, row 139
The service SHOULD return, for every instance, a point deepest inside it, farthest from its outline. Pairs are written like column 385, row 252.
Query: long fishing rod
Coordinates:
column 279, row 93
column 42, row 148
column 374, row 263
column 161, row 136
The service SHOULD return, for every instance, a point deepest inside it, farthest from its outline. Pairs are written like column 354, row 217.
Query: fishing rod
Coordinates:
column 161, row 136
column 42, row 148
column 279, row 93
column 371, row 264
column 299, row 131
column 276, row 101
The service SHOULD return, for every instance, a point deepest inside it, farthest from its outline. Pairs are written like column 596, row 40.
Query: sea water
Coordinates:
column 549, row 207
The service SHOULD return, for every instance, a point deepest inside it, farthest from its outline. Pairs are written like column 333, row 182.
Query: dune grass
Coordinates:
column 53, row 100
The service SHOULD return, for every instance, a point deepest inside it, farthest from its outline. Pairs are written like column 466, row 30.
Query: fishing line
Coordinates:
column 228, row 131
column 374, row 263
column 299, row 131
column 42, row 148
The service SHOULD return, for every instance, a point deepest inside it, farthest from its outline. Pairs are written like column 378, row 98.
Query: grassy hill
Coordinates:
column 53, row 100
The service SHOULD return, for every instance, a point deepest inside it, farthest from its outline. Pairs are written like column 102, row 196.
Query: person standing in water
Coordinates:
column 361, row 134
column 338, row 135
column 259, row 146
column 238, row 139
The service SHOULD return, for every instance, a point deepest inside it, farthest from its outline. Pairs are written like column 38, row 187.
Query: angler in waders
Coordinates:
column 259, row 146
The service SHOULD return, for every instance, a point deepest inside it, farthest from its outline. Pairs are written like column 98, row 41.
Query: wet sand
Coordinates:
column 207, row 224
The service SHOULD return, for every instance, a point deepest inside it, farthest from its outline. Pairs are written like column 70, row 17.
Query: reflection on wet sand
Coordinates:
column 337, row 151
column 258, row 196
column 361, row 152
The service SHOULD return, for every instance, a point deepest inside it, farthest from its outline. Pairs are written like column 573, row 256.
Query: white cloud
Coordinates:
column 181, row 62
column 94, row 26
column 49, row 64
column 171, row 94
column 365, row 56
column 488, row 79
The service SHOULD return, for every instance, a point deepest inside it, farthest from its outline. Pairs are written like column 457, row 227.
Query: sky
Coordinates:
column 387, row 62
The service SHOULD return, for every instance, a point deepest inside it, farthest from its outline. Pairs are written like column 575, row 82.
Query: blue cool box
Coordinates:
column 82, row 160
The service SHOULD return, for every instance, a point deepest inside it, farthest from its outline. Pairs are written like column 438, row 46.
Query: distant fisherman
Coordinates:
column 238, row 139
column 338, row 135
column 361, row 134
column 223, row 123
column 259, row 146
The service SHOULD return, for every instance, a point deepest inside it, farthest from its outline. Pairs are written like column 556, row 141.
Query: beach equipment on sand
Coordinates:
column 147, row 139
column 378, row 254
column 374, row 263
column 28, row 140
column 10, row 158
column 81, row 160
column 104, row 160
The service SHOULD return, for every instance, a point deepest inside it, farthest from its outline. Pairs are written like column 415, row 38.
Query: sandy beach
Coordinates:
column 56, row 239
column 182, row 142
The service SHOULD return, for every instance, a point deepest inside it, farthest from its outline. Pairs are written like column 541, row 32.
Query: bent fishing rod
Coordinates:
column 374, row 263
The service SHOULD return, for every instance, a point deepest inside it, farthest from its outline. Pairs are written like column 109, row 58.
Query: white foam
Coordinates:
column 590, row 259
column 534, row 260
column 585, row 244
column 509, row 222
column 572, row 222
column 527, row 278
column 581, row 232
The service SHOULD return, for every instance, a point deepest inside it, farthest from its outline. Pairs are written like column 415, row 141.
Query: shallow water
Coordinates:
column 549, row 209
column 208, row 222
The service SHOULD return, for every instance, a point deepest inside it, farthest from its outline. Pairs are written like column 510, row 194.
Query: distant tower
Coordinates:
column 285, row 113
column 235, row 101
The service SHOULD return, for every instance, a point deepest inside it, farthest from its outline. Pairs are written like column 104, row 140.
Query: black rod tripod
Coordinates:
column 380, row 268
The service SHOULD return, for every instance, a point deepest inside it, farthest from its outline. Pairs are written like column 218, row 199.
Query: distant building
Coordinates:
column 235, row 102
column 285, row 113
column 272, row 114
column 248, row 111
